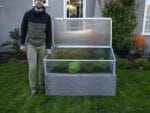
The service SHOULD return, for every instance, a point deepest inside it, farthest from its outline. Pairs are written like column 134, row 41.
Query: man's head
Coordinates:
column 39, row 3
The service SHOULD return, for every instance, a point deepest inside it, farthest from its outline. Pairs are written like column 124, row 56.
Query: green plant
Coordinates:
column 124, row 63
column 123, row 17
column 101, row 64
column 146, row 65
column 127, row 3
column 74, row 67
column 142, row 64
column 13, row 60
column 13, row 44
column 75, row 53
column 88, row 67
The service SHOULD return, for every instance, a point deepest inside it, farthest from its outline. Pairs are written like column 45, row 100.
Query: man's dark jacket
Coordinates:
column 36, row 28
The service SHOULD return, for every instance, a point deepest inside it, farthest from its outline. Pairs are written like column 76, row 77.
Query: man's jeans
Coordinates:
column 35, row 57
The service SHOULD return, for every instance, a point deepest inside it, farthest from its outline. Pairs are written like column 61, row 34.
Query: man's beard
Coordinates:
column 39, row 7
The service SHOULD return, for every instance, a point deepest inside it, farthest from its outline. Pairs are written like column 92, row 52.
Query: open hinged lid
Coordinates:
column 82, row 32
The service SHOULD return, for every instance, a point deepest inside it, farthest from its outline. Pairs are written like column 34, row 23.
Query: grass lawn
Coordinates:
column 133, row 95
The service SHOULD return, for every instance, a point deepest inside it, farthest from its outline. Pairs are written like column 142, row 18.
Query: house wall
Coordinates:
column 140, row 17
column 98, row 8
column 10, row 16
column 12, row 12
column 90, row 8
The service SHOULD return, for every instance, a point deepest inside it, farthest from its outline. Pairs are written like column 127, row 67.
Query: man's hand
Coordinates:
column 23, row 48
column 48, row 51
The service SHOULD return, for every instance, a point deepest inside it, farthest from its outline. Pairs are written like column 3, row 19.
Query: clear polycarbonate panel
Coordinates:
column 82, row 53
column 80, row 60
column 81, row 66
column 82, row 32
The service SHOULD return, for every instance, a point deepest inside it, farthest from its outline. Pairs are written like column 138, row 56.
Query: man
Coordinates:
column 36, row 40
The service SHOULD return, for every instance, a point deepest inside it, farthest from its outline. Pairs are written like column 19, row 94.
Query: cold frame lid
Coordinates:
column 82, row 32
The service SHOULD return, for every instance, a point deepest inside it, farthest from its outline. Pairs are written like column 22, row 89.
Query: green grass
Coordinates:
column 132, row 95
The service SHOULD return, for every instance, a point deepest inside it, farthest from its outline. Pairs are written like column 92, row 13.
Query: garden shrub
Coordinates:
column 123, row 17
column 124, row 64
column 142, row 64
column 13, row 44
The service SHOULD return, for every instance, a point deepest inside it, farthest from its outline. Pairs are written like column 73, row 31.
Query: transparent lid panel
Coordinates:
column 82, row 32
column 82, row 53
column 74, row 67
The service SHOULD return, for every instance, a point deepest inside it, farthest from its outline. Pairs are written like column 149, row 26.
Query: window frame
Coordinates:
column 65, row 9
column 144, row 19
column 46, row 4
column 0, row 4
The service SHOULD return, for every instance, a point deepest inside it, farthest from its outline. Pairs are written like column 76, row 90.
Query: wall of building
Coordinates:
column 10, row 16
column 90, row 8
column 12, row 11
column 140, row 17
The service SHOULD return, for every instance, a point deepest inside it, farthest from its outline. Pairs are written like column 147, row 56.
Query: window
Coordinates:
column 46, row 4
column 0, row 4
column 74, row 8
column 146, row 20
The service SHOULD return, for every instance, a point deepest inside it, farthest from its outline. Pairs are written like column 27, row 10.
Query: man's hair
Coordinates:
column 43, row 1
